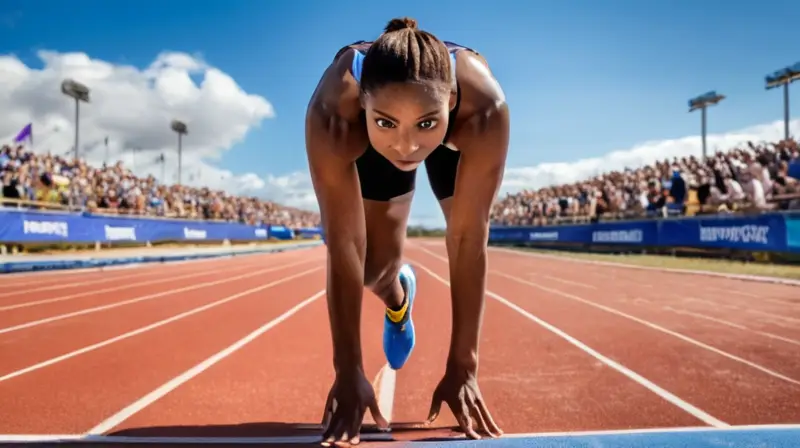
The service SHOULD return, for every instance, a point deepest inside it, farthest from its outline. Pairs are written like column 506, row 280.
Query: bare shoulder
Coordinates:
column 483, row 117
column 333, row 126
column 481, row 93
column 337, row 89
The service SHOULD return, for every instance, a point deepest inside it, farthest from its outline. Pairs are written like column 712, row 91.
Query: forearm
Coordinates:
column 345, row 288
column 468, row 271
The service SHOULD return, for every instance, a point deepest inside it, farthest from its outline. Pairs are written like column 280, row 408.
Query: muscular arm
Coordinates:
column 331, row 136
column 483, row 140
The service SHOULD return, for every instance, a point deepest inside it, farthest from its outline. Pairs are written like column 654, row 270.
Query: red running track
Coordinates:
column 240, row 348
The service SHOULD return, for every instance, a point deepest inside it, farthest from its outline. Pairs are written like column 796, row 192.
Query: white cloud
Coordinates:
column 545, row 174
column 133, row 108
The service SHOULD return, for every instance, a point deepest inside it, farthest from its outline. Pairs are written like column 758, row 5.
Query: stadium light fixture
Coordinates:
column 80, row 93
column 783, row 77
column 179, row 128
column 702, row 102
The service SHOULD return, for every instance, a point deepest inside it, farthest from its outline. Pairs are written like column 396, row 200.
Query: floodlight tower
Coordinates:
column 784, row 77
column 80, row 93
column 702, row 102
column 179, row 128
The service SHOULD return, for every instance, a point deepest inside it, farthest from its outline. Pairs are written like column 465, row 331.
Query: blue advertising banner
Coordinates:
column 793, row 232
column 763, row 232
column 633, row 232
column 767, row 232
column 32, row 226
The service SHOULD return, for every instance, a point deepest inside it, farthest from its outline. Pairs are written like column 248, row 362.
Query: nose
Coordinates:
column 407, row 150
column 406, row 146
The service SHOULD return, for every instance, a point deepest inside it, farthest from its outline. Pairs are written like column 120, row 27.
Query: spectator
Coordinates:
column 54, row 181
column 756, row 176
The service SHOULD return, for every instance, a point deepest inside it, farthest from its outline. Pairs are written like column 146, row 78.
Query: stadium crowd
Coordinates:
column 49, row 181
column 748, row 178
column 751, row 178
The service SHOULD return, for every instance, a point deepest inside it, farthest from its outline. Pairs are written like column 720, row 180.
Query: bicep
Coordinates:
column 335, row 181
column 480, row 171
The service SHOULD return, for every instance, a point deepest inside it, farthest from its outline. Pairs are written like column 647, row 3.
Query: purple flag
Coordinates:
column 26, row 132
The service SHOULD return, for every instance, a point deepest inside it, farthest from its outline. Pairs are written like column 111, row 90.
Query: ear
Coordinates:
column 362, row 99
column 453, row 99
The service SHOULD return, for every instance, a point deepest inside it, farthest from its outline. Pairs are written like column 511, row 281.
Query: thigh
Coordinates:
column 380, row 180
column 442, row 167
column 387, row 193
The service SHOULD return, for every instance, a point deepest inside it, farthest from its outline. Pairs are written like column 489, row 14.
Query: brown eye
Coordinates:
column 383, row 123
column 427, row 124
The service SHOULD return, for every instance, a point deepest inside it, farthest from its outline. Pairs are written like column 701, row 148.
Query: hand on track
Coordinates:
column 460, row 391
column 350, row 396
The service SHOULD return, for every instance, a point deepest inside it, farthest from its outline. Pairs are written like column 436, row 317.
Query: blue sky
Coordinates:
column 583, row 78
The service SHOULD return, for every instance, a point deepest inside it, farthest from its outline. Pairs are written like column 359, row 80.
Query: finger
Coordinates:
column 436, row 407
column 377, row 415
column 342, row 434
column 343, row 439
column 333, row 425
column 355, row 426
column 487, row 416
column 330, row 436
column 326, row 414
column 476, row 415
column 465, row 421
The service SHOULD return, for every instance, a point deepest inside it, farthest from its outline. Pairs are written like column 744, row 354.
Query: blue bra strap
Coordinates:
column 358, row 63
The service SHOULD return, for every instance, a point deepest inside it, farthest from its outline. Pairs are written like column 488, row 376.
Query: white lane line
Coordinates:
column 386, row 389
column 732, row 325
column 116, row 419
column 565, row 281
column 657, row 327
column 752, row 278
column 152, row 326
column 118, row 288
column 384, row 386
column 651, row 386
column 17, row 290
column 146, row 297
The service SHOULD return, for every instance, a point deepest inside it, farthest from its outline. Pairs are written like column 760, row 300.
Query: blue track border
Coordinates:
column 11, row 267
column 767, row 436
column 750, row 436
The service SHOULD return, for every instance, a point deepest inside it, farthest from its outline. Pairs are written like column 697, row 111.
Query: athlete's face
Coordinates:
column 406, row 122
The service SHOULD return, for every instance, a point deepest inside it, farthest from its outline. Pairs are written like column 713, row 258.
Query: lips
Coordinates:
column 406, row 163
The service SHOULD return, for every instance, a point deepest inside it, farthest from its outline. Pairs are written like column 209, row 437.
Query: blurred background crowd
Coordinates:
column 749, row 178
column 55, row 182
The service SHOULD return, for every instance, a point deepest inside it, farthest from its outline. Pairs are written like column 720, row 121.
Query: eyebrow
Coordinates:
column 425, row 115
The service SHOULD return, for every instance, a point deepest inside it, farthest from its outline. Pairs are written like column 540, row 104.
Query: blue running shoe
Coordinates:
column 398, row 337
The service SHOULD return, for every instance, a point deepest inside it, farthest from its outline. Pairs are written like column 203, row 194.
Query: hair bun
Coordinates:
column 400, row 24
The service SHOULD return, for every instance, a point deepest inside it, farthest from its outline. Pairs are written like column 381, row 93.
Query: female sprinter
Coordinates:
column 380, row 110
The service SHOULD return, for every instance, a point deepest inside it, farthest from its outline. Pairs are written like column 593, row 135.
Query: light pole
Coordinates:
column 179, row 128
column 702, row 102
column 78, row 92
column 784, row 77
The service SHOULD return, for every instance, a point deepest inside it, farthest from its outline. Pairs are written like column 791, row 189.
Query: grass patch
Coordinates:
column 683, row 262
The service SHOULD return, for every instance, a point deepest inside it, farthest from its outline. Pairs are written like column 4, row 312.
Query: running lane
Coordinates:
column 532, row 380
column 22, row 346
column 726, row 389
column 74, row 395
column 55, row 302
column 759, row 337
column 107, row 281
column 276, row 385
